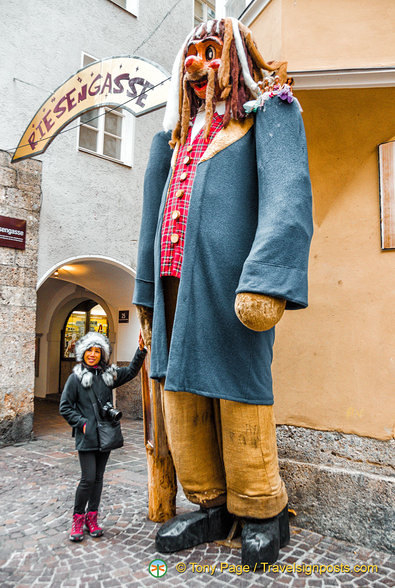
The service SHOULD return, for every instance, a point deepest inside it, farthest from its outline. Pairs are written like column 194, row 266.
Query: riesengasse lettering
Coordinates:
column 133, row 87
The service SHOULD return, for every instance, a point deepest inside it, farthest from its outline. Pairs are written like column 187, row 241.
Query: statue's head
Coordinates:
column 219, row 61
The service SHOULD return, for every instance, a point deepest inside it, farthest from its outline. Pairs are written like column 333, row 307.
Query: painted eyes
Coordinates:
column 210, row 53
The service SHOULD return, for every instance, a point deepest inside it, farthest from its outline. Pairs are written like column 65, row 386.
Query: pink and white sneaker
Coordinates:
column 91, row 524
column 77, row 529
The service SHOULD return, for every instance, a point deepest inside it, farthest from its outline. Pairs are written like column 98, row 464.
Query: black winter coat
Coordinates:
column 75, row 405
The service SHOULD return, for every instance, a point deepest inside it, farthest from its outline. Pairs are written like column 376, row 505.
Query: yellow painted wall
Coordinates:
column 334, row 366
column 328, row 34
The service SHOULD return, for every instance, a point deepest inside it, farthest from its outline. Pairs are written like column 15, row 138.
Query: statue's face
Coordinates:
column 201, row 57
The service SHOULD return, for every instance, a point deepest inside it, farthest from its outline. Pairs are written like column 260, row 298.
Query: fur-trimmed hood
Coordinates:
column 93, row 339
column 85, row 376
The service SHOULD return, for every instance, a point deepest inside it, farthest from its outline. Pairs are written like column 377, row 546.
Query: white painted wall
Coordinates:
column 220, row 11
column 127, row 336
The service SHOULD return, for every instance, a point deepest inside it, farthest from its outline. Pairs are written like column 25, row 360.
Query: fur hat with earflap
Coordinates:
column 94, row 339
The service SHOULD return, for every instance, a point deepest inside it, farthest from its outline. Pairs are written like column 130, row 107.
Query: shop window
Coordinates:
column 387, row 194
column 107, row 132
column 88, row 316
column 204, row 10
column 131, row 6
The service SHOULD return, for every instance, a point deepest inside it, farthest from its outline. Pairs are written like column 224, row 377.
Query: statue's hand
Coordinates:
column 145, row 317
column 257, row 311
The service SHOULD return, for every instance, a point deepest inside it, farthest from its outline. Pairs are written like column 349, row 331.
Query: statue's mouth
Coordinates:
column 200, row 84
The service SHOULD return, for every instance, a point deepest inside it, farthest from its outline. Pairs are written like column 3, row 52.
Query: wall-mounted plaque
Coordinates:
column 387, row 194
column 12, row 232
column 123, row 316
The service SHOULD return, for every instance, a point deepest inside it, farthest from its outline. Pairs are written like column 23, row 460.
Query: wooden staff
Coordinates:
column 162, row 483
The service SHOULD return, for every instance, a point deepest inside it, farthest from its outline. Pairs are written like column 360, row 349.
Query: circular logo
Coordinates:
column 157, row 568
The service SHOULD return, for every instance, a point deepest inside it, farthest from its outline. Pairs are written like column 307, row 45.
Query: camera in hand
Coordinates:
column 110, row 413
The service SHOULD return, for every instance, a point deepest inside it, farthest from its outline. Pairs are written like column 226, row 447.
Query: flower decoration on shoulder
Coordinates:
column 269, row 88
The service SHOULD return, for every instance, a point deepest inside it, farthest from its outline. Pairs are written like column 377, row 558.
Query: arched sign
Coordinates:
column 137, row 84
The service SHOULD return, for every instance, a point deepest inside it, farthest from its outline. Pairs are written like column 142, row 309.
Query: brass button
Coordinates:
column 174, row 238
column 180, row 193
column 189, row 148
column 183, row 176
column 187, row 160
column 175, row 214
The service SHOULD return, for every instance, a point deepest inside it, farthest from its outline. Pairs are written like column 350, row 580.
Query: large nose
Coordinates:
column 193, row 63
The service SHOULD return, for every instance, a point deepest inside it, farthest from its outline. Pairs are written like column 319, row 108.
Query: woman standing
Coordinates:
column 92, row 372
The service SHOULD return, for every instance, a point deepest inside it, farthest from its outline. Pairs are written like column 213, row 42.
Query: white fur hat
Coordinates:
column 93, row 339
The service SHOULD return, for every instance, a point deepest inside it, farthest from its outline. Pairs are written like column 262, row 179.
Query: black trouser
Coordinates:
column 93, row 464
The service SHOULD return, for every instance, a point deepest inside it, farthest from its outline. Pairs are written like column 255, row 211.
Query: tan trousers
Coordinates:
column 223, row 451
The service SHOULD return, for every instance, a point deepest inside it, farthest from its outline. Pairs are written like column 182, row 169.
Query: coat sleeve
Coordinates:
column 125, row 374
column 277, row 264
column 68, row 402
column 154, row 182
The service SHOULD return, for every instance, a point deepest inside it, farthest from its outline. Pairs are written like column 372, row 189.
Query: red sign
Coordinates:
column 12, row 232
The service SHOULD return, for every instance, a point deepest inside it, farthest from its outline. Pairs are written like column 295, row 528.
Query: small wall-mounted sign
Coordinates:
column 12, row 232
column 123, row 316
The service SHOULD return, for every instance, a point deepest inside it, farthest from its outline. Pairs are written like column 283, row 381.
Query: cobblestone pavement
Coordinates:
column 37, row 486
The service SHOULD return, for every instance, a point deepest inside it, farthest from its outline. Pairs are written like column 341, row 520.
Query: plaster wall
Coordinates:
column 90, row 205
column 334, row 363
column 127, row 336
column 327, row 34
column 267, row 30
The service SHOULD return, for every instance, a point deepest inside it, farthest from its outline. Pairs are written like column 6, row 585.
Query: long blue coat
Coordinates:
column 249, row 230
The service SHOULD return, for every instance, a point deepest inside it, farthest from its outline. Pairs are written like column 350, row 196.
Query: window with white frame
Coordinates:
column 204, row 10
column 107, row 132
column 131, row 6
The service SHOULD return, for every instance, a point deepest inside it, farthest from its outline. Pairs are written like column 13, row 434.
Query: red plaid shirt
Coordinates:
column 178, row 198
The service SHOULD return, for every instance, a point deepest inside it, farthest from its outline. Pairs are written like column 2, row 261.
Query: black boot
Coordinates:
column 261, row 539
column 193, row 528
column 283, row 520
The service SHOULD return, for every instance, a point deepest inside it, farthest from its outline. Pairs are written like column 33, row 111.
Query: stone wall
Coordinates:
column 340, row 485
column 20, row 193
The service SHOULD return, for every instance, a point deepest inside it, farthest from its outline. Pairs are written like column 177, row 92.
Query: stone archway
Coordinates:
column 107, row 282
column 59, row 317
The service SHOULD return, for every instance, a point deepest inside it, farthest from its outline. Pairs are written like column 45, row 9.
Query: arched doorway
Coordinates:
column 86, row 316
column 79, row 295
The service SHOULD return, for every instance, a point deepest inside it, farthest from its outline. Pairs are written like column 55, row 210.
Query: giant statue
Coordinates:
column 223, row 251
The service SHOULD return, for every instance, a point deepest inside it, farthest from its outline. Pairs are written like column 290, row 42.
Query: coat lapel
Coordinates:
column 233, row 132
